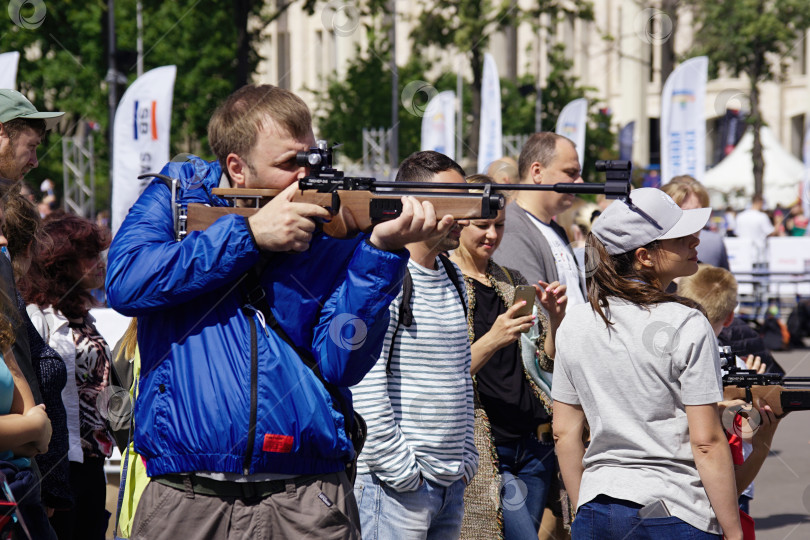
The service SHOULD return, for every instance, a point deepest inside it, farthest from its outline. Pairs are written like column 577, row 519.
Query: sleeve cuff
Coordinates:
column 250, row 232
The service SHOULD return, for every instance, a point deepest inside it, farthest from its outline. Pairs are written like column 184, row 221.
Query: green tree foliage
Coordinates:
column 363, row 100
column 62, row 66
column 64, row 62
column 467, row 26
column 751, row 37
column 518, row 106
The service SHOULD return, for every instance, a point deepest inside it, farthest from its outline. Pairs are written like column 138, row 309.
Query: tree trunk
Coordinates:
column 668, row 56
column 241, row 11
column 476, row 63
column 756, row 123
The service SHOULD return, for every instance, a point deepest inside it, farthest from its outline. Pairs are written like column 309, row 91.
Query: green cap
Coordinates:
column 15, row 105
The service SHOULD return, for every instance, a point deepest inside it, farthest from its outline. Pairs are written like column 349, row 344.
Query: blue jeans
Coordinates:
column 606, row 518
column 430, row 512
column 526, row 468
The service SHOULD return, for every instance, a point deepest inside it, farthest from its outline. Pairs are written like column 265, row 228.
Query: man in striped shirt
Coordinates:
column 418, row 399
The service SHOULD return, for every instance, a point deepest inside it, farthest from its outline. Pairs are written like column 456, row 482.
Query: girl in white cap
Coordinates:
column 641, row 366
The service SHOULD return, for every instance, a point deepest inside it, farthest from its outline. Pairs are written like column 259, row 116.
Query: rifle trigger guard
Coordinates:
column 749, row 397
column 335, row 203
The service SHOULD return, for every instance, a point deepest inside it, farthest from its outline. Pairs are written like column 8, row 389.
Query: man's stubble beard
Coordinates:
column 8, row 168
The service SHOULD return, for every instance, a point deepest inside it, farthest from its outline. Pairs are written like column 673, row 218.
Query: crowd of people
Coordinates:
column 428, row 378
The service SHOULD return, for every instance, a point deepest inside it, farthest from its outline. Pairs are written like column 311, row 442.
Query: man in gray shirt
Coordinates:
column 533, row 243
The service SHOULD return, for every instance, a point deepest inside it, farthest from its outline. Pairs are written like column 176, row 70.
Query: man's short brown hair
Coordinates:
column 18, row 125
column 234, row 127
column 713, row 288
column 680, row 187
column 541, row 148
column 424, row 165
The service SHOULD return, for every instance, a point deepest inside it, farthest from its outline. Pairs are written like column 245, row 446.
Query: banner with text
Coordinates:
column 8, row 69
column 571, row 123
column 683, row 122
column 490, row 135
column 439, row 124
column 141, row 137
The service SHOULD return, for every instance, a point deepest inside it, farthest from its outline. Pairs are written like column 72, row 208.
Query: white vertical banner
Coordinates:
column 439, row 124
column 683, row 122
column 141, row 137
column 8, row 70
column 571, row 123
column 805, row 192
column 490, row 135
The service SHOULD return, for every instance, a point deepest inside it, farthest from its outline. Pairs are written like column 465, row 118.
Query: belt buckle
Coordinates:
column 249, row 490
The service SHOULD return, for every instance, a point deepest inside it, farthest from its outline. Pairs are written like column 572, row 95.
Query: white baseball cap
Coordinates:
column 648, row 215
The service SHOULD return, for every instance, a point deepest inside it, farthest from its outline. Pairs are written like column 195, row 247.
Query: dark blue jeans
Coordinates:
column 526, row 468
column 606, row 518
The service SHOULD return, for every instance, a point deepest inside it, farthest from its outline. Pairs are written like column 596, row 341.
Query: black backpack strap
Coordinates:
column 453, row 275
column 404, row 317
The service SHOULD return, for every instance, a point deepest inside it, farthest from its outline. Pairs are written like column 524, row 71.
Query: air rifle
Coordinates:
column 783, row 394
column 359, row 203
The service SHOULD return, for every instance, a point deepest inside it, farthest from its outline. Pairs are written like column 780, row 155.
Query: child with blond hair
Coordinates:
column 715, row 289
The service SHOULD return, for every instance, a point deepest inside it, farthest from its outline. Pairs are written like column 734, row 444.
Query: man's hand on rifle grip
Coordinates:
column 284, row 225
column 417, row 222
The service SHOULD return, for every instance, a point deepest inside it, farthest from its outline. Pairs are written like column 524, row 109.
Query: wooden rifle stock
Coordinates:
column 783, row 394
column 353, row 211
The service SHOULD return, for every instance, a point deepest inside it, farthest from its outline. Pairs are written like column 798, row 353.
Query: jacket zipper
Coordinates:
column 254, row 391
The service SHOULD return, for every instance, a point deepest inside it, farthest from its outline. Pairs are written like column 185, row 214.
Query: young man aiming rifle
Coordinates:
column 241, row 437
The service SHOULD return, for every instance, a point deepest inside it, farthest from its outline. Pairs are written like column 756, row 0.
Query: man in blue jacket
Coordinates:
column 240, row 437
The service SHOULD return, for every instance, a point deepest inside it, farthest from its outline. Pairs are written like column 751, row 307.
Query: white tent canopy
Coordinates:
column 733, row 178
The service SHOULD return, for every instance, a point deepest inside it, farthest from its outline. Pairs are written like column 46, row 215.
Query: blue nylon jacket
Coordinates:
column 193, row 411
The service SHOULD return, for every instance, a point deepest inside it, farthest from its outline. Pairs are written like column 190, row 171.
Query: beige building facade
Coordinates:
column 619, row 54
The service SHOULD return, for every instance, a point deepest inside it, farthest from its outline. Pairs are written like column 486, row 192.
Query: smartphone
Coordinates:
column 527, row 293
column 656, row 509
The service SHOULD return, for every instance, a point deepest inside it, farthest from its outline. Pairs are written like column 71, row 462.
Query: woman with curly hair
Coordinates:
column 57, row 287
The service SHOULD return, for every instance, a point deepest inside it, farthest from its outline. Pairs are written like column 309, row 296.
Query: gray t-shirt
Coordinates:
column 633, row 383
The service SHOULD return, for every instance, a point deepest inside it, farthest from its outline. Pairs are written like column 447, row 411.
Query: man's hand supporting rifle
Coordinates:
column 345, row 206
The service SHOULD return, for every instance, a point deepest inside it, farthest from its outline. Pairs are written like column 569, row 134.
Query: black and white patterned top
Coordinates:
column 92, row 377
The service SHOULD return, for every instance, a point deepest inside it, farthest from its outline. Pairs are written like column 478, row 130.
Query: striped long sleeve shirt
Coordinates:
column 420, row 415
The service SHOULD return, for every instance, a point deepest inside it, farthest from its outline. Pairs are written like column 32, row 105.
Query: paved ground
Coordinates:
column 781, row 505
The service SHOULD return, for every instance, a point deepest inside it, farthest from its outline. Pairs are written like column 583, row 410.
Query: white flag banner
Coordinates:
column 683, row 122
column 8, row 69
column 141, row 137
column 490, row 136
column 439, row 124
column 805, row 193
column 571, row 123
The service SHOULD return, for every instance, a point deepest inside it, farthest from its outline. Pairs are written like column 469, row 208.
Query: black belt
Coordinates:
column 200, row 485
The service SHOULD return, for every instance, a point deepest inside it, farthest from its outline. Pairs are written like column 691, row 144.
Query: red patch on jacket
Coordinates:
column 282, row 444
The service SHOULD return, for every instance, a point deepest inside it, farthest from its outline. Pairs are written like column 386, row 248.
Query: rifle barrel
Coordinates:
column 615, row 189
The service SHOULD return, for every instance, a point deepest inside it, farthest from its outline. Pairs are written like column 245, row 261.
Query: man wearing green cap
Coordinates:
column 22, row 127
column 21, row 130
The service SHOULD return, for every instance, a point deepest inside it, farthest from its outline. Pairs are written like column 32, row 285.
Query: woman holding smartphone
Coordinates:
column 517, row 409
column 642, row 367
